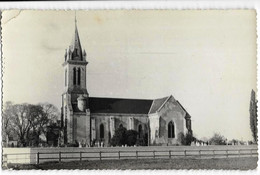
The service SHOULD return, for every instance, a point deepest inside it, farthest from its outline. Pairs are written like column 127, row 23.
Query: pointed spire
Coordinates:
column 75, row 19
column 75, row 46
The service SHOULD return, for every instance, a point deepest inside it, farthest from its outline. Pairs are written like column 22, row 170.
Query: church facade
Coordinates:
column 87, row 119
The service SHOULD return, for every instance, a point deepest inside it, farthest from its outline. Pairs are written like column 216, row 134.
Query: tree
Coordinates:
column 124, row 137
column 189, row 138
column 142, row 141
column 217, row 139
column 40, row 116
column 27, row 121
column 38, row 121
column 50, row 116
column 185, row 139
column 53, row 135
column 6, row 127
column 119, row 137
column 253, row 115
column 131, row 137
column 19, row 120
column 234, row 141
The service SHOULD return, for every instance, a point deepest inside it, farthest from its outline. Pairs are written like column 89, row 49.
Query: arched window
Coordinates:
column 79, row 76
column 171, row 133
column 66, row 77
column 74, row 76
column 140, row 130
column 102, row 131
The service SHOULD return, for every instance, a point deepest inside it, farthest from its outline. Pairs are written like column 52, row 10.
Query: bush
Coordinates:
column 131, row 137
column 74, row 144
column 119, row 137
column 143, row 141
column 185, row 139
column 189, row 138
column 126, row 137
column 217, row 139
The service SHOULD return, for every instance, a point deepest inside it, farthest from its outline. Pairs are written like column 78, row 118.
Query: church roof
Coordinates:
column 157, row 103
column 125, row 106
column 187, row 114
column 119, row 105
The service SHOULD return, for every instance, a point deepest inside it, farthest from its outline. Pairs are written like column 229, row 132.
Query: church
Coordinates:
column 87, row 119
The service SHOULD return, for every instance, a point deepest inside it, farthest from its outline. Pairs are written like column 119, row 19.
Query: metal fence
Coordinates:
column 40, row 157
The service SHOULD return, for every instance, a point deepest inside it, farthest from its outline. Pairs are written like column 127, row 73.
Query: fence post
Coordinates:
column 184, row 153
column 200, row 153
column 251, row 152
column 136, row 154
column 59, row 157
column 154, row 154
column 5, row 160
column 118, row 154
column 213, row 153
column 37, row 158
column 80, row 156
column 239, row 152
column 100, row 158
column 170, row 154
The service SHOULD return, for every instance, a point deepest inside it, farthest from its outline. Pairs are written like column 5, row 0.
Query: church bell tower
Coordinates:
column 75, row 65
column 75, row 96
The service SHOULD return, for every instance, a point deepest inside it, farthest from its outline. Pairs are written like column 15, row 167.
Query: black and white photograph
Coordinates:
column 122, row 89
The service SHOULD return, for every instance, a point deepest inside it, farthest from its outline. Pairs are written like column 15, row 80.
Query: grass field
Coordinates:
column 184, row 163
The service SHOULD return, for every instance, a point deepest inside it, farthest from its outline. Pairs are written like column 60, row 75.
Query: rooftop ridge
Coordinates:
column 121, row 98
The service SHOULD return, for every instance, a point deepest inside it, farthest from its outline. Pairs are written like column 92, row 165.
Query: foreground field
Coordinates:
column 225, row 163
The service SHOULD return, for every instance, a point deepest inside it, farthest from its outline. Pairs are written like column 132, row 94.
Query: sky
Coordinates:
column 206, row 59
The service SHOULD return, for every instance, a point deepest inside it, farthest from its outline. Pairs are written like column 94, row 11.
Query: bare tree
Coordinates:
column 18, row 120
column 50, row 115
column 37, row 119
column 40, row 116
column 28, row 121
column 253, row 115
column 6, row 127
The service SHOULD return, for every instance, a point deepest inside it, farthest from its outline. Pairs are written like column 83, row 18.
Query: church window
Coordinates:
column 79, row 76
column 74, row 76
column 101, row 130
column 121, row 125
column 171, row 133
column 140, row 130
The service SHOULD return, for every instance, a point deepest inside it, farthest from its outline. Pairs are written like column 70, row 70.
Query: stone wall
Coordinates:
column 171, row 111
column 18, row 156
column 154, row 128
column 115, row 120
column 82, row 134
